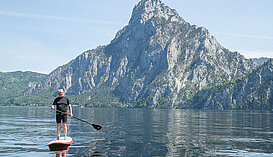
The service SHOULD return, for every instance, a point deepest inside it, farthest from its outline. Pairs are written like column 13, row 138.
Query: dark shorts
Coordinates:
column 61, row 117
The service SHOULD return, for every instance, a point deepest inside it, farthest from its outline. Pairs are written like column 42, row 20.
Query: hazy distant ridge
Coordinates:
column 14, row 84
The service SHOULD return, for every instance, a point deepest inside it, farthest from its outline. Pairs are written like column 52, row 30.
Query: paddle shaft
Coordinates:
column 97, row 127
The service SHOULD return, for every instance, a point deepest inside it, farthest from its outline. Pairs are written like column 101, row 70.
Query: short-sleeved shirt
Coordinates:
column 61, row 103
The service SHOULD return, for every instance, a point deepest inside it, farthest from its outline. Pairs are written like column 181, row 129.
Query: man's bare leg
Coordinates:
column 65, row 130
column 59, row 130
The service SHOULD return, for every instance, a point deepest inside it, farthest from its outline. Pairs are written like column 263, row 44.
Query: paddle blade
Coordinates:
column 97, row 127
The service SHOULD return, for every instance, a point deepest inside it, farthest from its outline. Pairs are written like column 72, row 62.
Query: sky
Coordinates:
column 39, row 35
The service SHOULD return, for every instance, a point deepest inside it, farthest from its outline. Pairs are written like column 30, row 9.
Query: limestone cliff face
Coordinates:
column 87, row 71
column 158, row 58
column 254, row 91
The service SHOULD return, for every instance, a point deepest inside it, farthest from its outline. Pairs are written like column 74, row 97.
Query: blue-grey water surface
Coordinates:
column 25, row 131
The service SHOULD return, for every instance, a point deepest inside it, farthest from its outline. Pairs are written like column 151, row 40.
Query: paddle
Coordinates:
column 97, row 127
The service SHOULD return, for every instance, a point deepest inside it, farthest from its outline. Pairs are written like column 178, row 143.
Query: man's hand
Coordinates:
column 52, row 107
column 71, row 115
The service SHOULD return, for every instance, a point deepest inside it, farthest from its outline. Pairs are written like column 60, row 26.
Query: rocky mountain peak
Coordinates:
column 148, row 4
column 152, row 9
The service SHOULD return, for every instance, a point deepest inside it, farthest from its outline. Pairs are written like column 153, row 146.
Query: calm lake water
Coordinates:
column 26, row 131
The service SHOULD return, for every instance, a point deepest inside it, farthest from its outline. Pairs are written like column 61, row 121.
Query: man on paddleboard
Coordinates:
column 61, row 104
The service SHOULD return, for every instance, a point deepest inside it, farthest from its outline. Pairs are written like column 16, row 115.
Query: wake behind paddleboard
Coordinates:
column 60, row 144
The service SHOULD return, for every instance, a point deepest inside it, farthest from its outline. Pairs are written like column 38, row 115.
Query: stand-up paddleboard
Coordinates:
column 60, row 144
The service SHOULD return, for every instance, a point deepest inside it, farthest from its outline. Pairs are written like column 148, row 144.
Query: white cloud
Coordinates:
column 24, row 15
column 246, row 36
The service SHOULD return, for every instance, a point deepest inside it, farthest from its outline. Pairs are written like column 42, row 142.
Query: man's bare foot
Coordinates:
column 58, row 138
column 65, row 138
